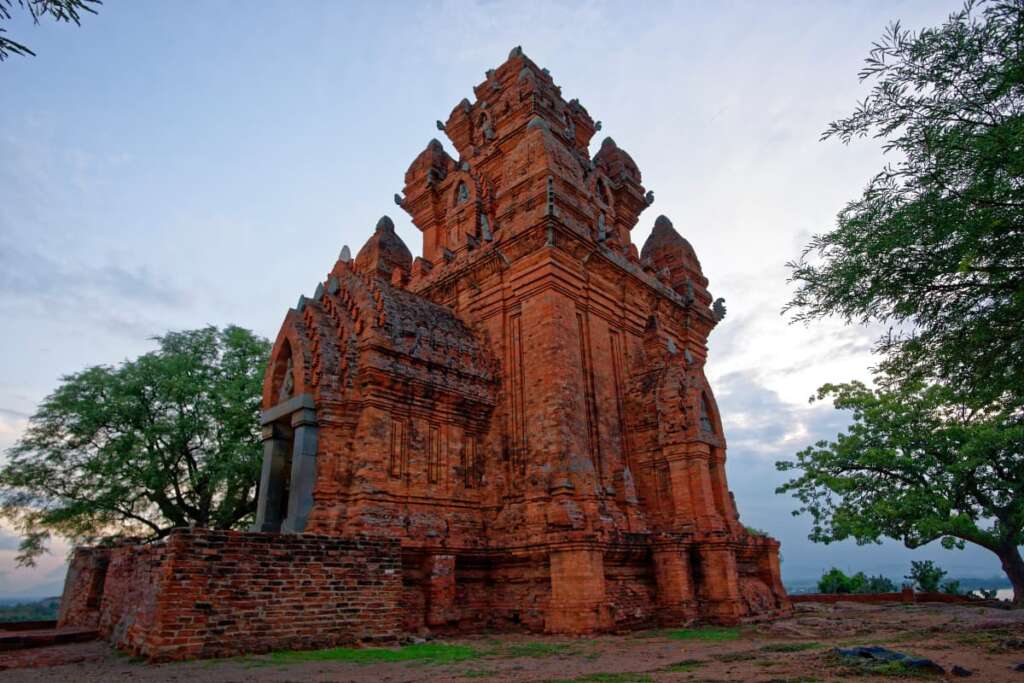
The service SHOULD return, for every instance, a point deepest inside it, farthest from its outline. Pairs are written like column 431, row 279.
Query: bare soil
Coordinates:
column 988, row 642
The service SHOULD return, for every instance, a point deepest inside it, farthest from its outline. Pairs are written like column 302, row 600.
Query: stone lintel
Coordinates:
column 287, row 408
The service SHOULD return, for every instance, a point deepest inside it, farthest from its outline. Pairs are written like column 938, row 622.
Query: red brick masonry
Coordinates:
column 208, row 593
column 523, row 408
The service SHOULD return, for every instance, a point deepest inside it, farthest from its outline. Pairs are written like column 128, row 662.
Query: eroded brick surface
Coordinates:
column 205, row 593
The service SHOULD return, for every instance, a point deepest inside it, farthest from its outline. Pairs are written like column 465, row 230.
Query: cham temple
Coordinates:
column 512, row 431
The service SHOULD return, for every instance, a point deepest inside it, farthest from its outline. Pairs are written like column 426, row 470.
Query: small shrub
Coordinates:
column 836, row 581
column 926, row 576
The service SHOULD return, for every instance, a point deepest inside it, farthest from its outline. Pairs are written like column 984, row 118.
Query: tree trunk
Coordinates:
column 1013, row 565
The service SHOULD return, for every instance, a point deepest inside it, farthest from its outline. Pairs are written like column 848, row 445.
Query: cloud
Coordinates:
column 109, row 295
column 759, row 424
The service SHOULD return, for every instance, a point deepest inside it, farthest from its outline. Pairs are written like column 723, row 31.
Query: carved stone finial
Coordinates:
column 385, row 224
column 649, row 197
column 346, row 254
column 319, row 293
column 398, row 199
column 517, row 51
column 538, row 122
column 597, row 126
column 718, row 308
column 440, row 126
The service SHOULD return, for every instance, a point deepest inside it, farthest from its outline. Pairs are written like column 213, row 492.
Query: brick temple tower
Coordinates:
column 525, row 404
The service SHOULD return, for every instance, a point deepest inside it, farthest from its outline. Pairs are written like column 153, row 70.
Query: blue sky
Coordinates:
column 169, row 165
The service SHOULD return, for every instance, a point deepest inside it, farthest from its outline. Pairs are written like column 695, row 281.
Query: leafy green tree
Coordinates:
column 935, row 245
column 836, row 581
column 170, row 439
column 916, row 466
column 926, row 576
column 878, row 584
column 934, row 249
column 59, row 10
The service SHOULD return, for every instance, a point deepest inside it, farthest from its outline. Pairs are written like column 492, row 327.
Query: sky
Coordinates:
column 169, row 165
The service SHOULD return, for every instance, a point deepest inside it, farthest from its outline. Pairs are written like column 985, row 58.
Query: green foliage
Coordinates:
column 934, row 248
column 170, row 439
column 915, row 466
column 60, row 10
column 935, row 245
column 835, row 581
column 926, row 576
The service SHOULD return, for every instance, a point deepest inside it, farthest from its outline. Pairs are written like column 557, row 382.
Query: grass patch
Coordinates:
column 432, row 653
column 685, row 665
column 850, row 666
column 790, row 647
column 535, row 649
column 706, row 633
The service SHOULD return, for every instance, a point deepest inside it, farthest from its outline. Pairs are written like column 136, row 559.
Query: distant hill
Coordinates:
column 38, row 610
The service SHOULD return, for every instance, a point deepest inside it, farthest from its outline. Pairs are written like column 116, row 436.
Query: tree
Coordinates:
column 170, row 439
column 926, row 575
column 914, row 466
column 836, row 581
column 60, row 10
column 934, row 247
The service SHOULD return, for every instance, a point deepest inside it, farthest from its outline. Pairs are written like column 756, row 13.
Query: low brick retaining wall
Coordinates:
column 203, row 593
column 26, row 625
column 906, row 596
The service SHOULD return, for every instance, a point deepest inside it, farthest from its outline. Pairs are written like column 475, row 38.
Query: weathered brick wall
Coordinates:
column 83, row 588
column 632, row 594
column 128, row 612
column 209, row 593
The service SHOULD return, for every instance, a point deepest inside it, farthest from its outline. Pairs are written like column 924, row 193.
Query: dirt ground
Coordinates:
column 986, row 641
